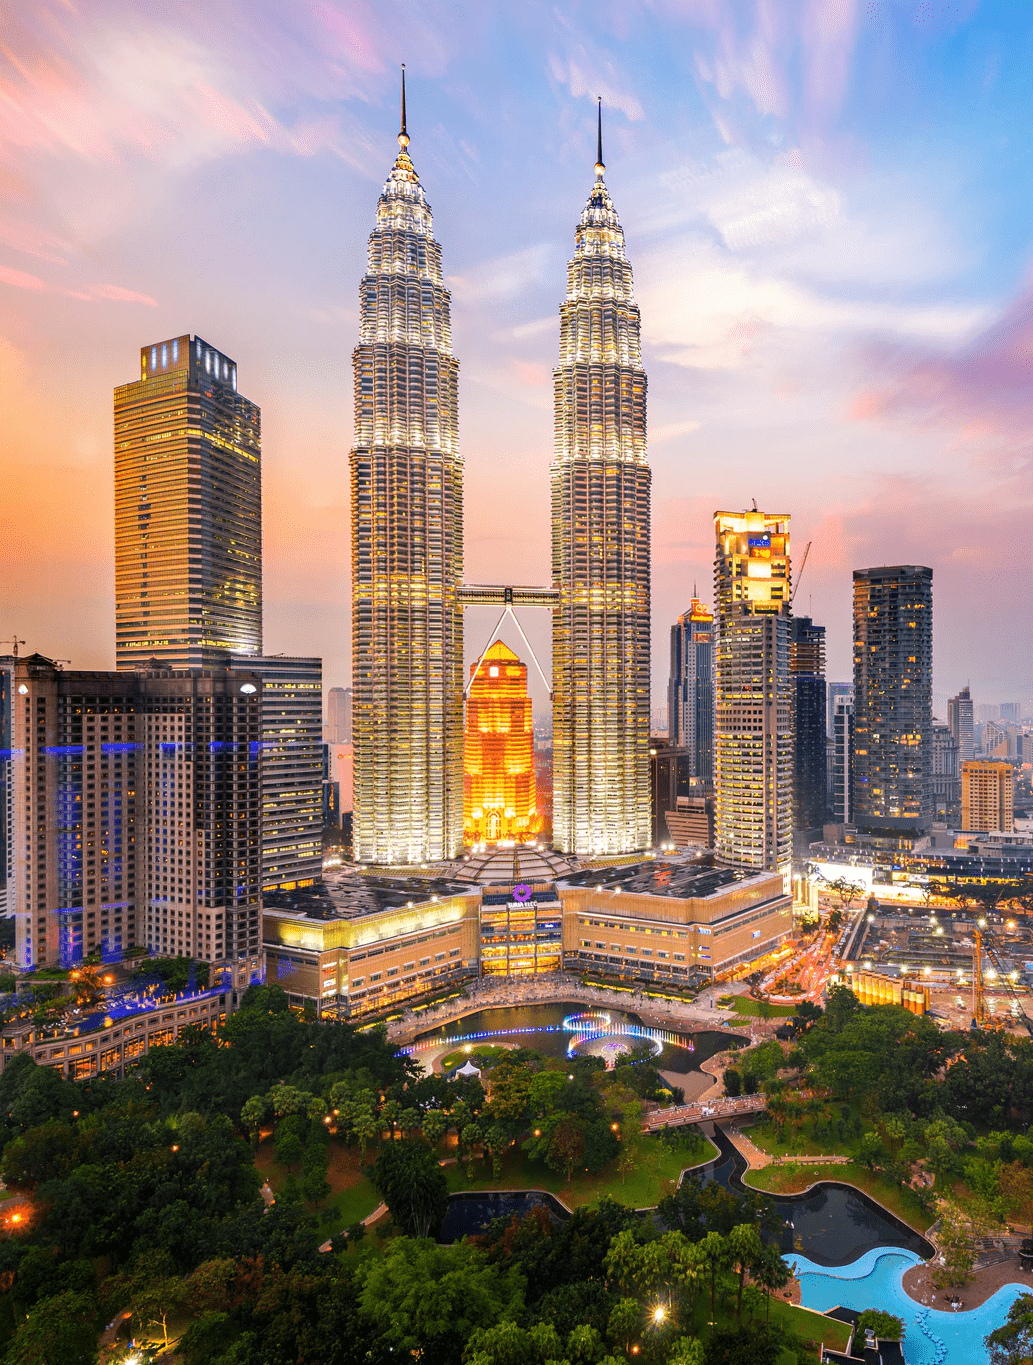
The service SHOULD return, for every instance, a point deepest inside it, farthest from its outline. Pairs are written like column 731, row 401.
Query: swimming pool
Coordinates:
column 932, row 1336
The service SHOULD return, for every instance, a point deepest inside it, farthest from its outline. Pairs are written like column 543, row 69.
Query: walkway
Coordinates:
column 757, row 1159
column 723, row 1108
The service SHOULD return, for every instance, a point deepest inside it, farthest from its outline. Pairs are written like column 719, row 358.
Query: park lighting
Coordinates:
column 659, row 1313
column 981, row 923
column 537, row 1132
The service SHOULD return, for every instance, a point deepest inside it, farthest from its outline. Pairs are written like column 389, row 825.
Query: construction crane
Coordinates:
column 981, row 1017
column 803, row 565
column 14, row 645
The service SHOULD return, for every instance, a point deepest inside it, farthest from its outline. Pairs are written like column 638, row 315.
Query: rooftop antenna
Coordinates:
column 600, row 165
column 403, row 134
column 755, row 504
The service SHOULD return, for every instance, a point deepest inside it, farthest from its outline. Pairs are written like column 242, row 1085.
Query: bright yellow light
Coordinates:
column 659, row 1313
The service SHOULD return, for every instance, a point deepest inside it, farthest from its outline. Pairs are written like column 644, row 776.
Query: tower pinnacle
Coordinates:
column 403, row 135
column 599, row 163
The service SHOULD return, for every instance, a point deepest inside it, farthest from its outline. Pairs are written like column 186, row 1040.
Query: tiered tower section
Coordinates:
column 407, row 542
column 600, row 549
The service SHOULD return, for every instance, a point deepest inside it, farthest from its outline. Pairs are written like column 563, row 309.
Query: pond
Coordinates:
column 569, row 1028
column 471, row 1212
column 832, row 1225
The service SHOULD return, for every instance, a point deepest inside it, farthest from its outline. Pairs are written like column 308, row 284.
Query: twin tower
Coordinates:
column 408, row 594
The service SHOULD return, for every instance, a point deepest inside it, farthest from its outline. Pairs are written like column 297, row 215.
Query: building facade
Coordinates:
column 841, row 793
column 338, row 716
column 959, row 721
column 364, row 944
column 753, row 728
column 407, row 542
column 600, row 549
column 690, row 691
column 292, row 767
column 810, row 767
column 500, row 799
column 7, row 663
column 893, row 716
column 137, row 805
column 946, row 774
column 188, row 510
column 987, row 796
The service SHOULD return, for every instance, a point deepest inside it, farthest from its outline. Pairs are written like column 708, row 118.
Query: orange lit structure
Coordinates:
column 499, row 795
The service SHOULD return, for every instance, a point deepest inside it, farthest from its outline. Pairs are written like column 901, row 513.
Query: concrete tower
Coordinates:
column 600, row 549
column 753, row 730
column 407, row 542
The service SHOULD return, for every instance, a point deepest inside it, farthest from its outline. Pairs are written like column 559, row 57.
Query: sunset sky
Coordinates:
column 828, row 208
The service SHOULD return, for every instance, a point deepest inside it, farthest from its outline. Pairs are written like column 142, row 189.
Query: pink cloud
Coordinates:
column 120, row 295
column 21, row 279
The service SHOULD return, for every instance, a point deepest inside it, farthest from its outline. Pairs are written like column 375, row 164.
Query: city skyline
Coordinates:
column 926, row 323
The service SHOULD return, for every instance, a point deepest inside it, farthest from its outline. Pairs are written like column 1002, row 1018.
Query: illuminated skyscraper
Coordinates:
column 893, row 700
column 407, row 542
column 499, row 785
column 188, row 510
column 959, row 719
column 754, row 690
column 690, row 692
column 600, row 549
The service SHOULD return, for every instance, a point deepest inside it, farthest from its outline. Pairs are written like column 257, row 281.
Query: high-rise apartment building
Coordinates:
column 959, row 721
column 753, row 729
column 188, row 510
column 600, row 549
column 946, row 773
column 841, row 793
column 7, row 663
column 810, row 771
column 500, row 800
column 407, row 542
column 338, row 716
column 137, row 814
column 292, row 768
column 987, row 796
column 690, row 691
column 893, row 716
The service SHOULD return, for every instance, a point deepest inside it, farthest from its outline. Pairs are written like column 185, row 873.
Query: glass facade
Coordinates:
column 188, row 510
column 521, row 931
column 600, row 550
column 407, row 543
column 690, row 692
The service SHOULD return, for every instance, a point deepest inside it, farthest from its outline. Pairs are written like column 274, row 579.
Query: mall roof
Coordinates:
column 685, row 880
column 347, row 894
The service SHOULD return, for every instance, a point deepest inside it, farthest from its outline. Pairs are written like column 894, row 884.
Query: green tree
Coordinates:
column 744, row 1251
column 413, row 1186
column 624, row 1324
column 715, row 1256
column 884, row 1325
column 1012, row 1342
column 61, row 1330
column 426, row 1301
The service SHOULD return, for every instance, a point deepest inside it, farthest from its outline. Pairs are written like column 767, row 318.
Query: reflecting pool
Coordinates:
column 471, row 1212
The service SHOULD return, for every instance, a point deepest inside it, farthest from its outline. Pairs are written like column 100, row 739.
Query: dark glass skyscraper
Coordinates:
column 810, row 764
column 690, row 691
column 893, row 710
column 188, row 510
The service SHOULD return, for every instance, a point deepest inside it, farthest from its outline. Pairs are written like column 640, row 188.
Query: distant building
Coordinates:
column 292, row 767
column 137, row 797
column 690, row 691
column 7, row 663
column 987, row 796
column 338, row 716
column 893, row 718
column 841, row 790
column 946, row 773
column 959, row 722
column 1010, row 710
column 682, row 805
column 753, row 726
column 188, row 511
column 499, row 792
column 810, row 773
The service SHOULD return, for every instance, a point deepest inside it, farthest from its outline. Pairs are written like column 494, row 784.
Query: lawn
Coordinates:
column 746, row 1006
column 794, row 1179
column 801, row 1322
column 472, row 1052
column 655, row 1175
column 351, row 1196
column 763, row 1135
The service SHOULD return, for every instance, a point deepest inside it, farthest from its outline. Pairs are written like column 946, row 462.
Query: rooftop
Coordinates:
column 347, row 894
column 688, row 879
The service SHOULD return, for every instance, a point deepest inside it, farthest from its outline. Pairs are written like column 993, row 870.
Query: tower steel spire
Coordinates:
column 403, row 132
column 600, row 165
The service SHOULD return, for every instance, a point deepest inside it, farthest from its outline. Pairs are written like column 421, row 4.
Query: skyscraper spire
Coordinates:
column 407, row 541
column 403, row 132
column 600, row 165
column 600, row 548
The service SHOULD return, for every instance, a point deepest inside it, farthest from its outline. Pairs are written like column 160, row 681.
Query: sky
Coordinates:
column 828, row 207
